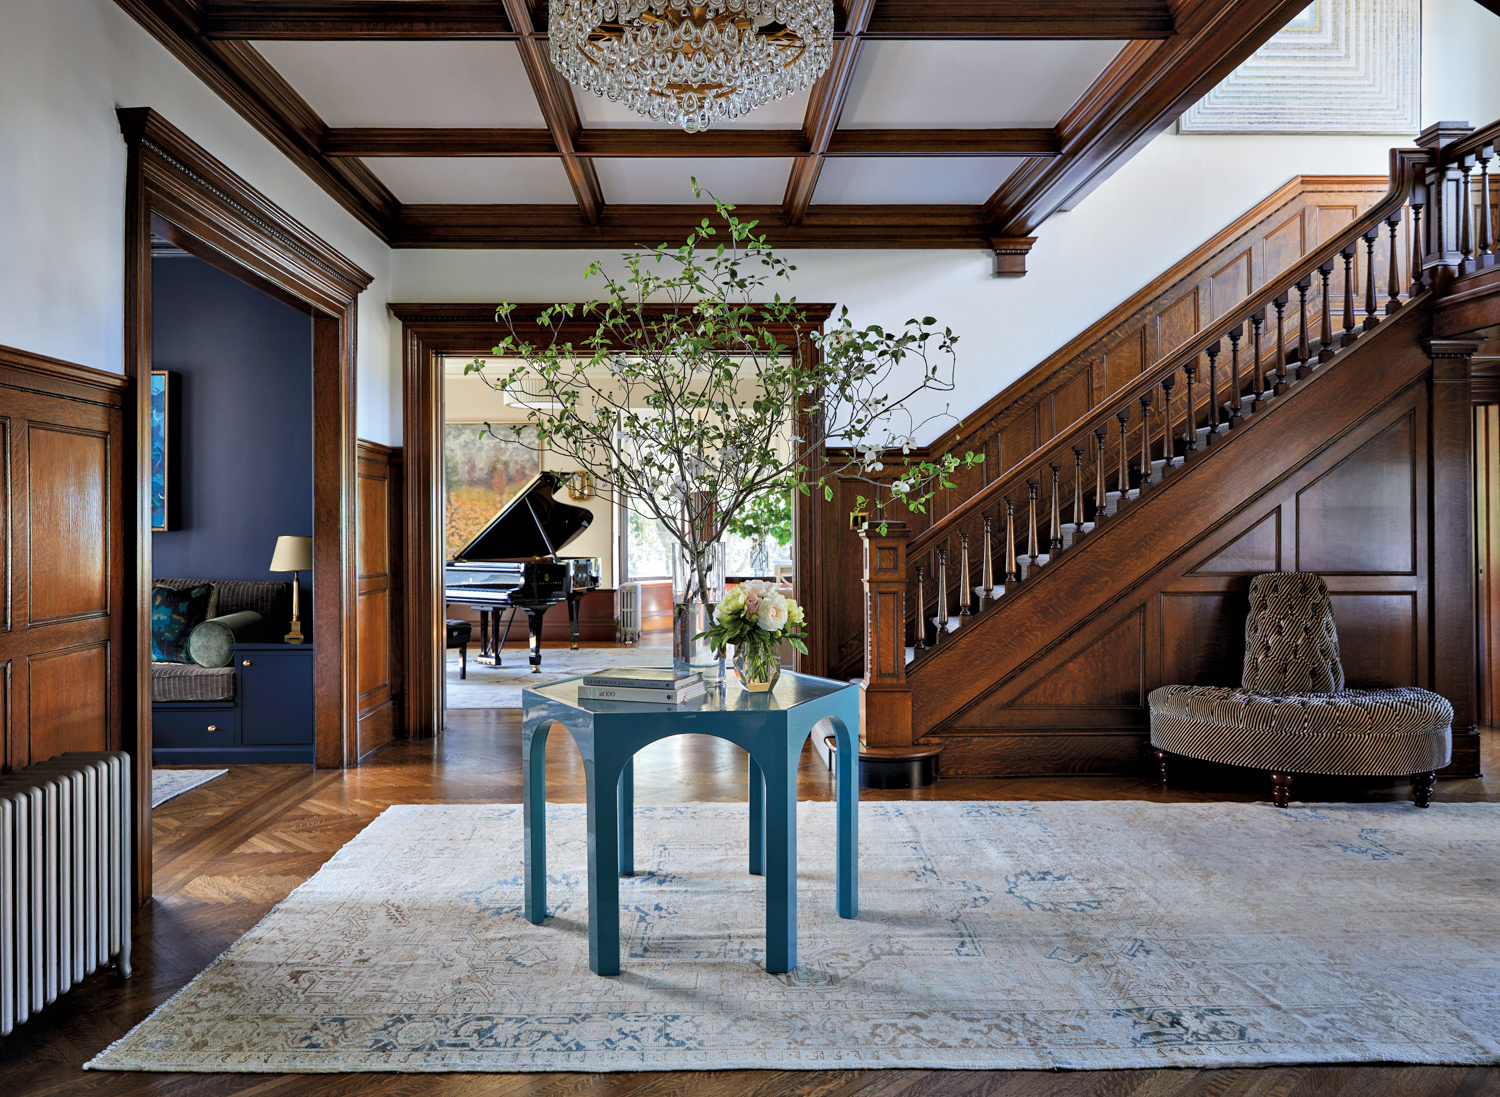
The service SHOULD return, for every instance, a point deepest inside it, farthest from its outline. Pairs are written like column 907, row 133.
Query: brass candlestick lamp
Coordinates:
column 293, row 554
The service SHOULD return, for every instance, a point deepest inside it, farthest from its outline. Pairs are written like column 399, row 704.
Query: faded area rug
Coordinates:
column 167, row 783
column 991, row 935
column 500, row 687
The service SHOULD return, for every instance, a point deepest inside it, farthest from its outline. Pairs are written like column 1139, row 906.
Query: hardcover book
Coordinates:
column 649, row 696
column 642, row 678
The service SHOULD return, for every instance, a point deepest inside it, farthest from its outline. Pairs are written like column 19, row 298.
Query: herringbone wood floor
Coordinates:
column 228, row 851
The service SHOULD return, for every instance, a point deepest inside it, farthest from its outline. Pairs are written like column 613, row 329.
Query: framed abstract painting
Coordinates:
column 164, row 457
column 483, row 473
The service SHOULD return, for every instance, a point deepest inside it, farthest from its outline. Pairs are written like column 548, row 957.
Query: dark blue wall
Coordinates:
column 244, row 365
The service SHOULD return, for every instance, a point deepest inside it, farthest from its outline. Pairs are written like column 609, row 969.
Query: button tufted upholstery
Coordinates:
column 1292, row 713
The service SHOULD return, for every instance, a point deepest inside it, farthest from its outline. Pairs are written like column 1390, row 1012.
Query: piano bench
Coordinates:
column 459, row 635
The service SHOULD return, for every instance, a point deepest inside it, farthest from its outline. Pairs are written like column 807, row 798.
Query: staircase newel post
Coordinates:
column 887, row 694
column 1447, row 215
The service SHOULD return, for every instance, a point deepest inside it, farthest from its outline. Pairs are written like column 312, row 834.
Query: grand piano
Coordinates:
column 514, row 563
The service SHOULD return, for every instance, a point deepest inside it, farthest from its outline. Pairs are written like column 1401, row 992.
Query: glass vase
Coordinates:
column 757, row 667
column 697, row 590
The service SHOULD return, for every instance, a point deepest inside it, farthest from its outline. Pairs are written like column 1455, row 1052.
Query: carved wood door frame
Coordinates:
column 429, row 332
column 208, row 210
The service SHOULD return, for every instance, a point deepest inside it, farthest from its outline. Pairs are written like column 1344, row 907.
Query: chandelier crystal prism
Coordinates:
column 691, row 65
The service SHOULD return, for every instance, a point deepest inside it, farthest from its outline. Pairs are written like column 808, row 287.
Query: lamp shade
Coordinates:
column 292, row 554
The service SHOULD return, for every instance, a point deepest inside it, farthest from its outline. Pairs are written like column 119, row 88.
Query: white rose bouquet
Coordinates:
column 756, row 617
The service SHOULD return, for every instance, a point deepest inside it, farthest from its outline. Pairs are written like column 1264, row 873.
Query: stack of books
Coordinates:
column 649, row 685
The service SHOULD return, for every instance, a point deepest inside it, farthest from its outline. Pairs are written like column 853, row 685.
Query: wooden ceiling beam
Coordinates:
column 555, row 98
column 345, row 19
column 1146, row 87
column 894, row 19
column 647, row 226
column 652, row 143
column 246, row 81
column 1025, row 19
column 824, row 107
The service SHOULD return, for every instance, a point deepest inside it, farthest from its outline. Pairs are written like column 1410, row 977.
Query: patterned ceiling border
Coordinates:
column 1341, row 66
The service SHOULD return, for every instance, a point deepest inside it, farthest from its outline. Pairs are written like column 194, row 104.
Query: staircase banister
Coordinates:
column 1473, row 144
column 1404, row 163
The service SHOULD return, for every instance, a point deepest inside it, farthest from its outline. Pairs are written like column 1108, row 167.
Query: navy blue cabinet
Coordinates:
column 269, row 720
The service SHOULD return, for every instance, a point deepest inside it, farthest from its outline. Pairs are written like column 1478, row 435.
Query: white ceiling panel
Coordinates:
column 423, row 83
column 595, row 110
column 748, row 181
column 911, row 180
column 982, row 85
column 476, row 179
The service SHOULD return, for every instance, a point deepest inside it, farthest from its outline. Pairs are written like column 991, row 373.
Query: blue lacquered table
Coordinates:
column 771, row 727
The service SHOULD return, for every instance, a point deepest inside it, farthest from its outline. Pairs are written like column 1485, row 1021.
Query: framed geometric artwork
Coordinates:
column 165, row 433
column 482, row 473
column 1339, row 67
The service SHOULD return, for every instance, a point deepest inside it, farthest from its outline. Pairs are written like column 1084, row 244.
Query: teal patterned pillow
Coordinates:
column 174, row 614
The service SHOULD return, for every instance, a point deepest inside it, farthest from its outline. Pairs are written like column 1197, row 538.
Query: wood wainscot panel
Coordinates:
column 62, row 519
column 1360, row 517
column 1487, row 553
column 379, row 613
column 68, row 700
column 1108, row 355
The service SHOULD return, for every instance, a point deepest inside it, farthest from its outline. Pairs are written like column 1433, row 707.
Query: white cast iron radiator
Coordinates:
column 628, row 613
column 64, row 877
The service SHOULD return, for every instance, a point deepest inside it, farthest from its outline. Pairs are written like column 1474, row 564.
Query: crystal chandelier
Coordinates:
column 691, row 64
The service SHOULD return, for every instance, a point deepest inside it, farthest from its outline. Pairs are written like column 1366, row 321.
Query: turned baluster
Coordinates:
column 1349, row 254
column 1393, row 287
column 1236, row 412
column 1418, row 253
column 1304, row 346
column 1280, row 384
column 1325, row 335
column 1055, row 544
column 964, row 574
column 1213, row 391
column 986, row 588
column 1123, row 415
column 942, row 593
column 1484, row 258
column 1257, row 322
column 1167, row 442
column 1100, row 434
column 1010, row 540
column 1145, row 440
column 1465, row 237
column 1032, row 486
column 921, row 637
column 1077, row 492
column 1373, row 235
column 1190, row 422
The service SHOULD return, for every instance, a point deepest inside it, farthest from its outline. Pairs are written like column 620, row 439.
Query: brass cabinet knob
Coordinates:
column 213, row 727
column 246, row 663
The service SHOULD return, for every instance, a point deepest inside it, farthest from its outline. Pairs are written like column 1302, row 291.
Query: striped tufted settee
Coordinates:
column 1292, row 713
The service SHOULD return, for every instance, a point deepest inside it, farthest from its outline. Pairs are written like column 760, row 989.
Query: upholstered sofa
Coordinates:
column 240, row 612
column 1292, row 713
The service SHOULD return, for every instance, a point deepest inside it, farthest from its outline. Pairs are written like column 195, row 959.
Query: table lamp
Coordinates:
column 293, row 554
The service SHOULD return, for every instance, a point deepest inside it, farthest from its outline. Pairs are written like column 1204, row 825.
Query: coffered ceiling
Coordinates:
column 940, row 123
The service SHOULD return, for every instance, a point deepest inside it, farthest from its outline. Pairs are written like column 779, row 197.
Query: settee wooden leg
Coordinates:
column 1421, row 788
column 1161, row 762
column 1281, row 789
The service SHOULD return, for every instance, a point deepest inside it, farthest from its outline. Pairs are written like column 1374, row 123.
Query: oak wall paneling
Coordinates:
column 1111, row 353
column 380, row 614
column 62, row 553
column 1342, row 473
column 1487, row 558
column 175, row 188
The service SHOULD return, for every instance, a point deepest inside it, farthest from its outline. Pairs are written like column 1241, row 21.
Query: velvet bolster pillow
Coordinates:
column 209, row 643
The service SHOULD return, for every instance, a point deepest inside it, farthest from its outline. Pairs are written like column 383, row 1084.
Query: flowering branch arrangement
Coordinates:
column 756, row 618
column 698, row 389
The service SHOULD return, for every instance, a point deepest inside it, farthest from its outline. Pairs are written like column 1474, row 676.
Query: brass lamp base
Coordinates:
column 295, row 636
